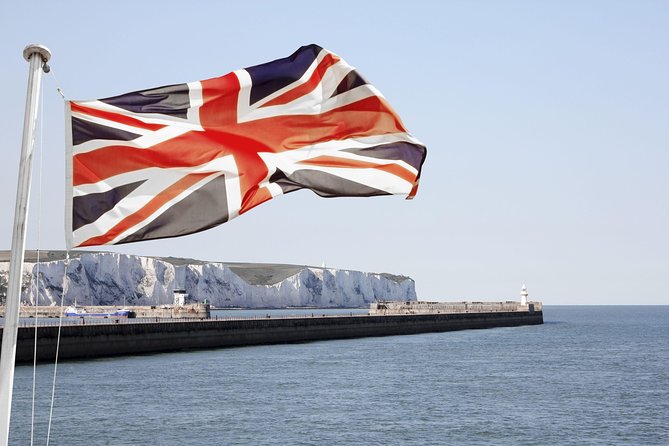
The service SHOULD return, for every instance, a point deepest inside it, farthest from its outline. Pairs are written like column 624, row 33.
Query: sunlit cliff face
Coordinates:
column 116, row 279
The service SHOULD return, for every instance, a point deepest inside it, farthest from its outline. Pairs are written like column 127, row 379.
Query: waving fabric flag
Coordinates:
column 183, row 158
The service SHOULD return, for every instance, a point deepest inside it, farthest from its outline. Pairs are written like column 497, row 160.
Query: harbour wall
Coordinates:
column 114, row 339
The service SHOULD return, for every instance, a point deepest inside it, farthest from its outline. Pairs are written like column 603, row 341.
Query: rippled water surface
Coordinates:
column 589, row 375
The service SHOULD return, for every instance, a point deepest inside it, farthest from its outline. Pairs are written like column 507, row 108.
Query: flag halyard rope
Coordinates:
column 36, row 277
column 55, row 363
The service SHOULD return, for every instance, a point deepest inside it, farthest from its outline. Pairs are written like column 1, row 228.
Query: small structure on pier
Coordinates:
column 180, row 297
column 523, row 295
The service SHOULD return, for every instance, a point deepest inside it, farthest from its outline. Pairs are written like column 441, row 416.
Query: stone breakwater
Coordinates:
column 103, row 278
column 128, row 337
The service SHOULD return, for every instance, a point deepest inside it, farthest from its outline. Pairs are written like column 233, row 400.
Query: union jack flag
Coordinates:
column 183, row 158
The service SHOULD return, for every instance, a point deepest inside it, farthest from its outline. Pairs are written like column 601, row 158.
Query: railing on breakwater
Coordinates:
column 192, row 311
column 382, row 308
column 55, row 322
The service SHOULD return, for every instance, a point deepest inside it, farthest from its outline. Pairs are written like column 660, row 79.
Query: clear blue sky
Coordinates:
column 547, row 127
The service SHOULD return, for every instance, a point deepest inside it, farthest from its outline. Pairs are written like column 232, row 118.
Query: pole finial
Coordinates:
column 39, row 49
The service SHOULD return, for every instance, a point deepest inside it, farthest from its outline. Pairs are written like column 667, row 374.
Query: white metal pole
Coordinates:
column 37, row 56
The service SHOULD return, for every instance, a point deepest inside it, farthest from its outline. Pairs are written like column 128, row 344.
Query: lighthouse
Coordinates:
column 523, row 295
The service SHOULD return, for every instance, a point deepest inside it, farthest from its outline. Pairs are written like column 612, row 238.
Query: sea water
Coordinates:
column 589, row 375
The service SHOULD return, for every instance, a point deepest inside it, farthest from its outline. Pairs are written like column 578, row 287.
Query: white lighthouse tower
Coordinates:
column 523, row 295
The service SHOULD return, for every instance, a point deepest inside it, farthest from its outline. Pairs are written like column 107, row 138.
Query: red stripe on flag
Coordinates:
column 309, row 85
column 367, row 117
column 332, row 161
column 254, row 197
column 187, row 150
column 414, row 190
column 219, row 96
column 121, row 119
column 145, row 212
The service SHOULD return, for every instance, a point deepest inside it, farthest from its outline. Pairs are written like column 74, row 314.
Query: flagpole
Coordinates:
column 37, row 56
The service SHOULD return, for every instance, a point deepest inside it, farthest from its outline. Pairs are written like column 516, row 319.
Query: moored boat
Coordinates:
column 81, row 312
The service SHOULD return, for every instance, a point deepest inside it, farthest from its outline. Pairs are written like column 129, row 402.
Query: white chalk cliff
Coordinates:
column 103, row 278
